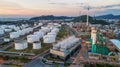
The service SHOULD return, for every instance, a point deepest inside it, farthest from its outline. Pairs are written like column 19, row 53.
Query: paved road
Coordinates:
column 4, row 66
column 38, row 63
column 70, row 31
column 34, row 63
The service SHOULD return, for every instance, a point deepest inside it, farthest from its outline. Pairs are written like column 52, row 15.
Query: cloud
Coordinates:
column 79, row 3
column 108, row 11
column 11, row 8
column 106, row 7
column 99, row 7
column 10, row 5
column 58, row 3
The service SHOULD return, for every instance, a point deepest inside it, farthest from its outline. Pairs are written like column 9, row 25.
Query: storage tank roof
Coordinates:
column 116, row 43
column 20, row 41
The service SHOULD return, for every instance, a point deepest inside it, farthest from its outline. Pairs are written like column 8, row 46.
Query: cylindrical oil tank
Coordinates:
column 11, row 26
column 52, row 33
column 49, row 39
column 8, row 30
column 40, row 24
column 21, row 45
column 42, row 31
column 21, row 32
column 4, row 26
column 25, row 44
column 14, row 34
column 67, row 43
column 56, row 46
column 39, row 34
column 32, row 38
column 55, row 30
column 45, row 29
column 16, row 28
column 63, row 47
column 6, row 40
column 36, row 45
column 2, row 31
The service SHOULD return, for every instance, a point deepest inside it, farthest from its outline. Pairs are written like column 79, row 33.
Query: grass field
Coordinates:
column 31, row 50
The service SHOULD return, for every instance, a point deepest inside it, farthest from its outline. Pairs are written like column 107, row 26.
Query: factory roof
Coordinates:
column 116, row 43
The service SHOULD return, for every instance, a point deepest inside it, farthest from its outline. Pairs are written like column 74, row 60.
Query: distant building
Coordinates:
column 117, row 23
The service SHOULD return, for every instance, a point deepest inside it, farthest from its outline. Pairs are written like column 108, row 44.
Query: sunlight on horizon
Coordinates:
column 58, row 7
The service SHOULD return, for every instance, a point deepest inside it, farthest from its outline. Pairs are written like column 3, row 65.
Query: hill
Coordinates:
column 108, row 16
column 82, row 18
column 50, row 17
column 91, row 20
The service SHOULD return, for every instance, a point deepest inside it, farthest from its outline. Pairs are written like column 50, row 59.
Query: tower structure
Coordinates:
column 87, row 16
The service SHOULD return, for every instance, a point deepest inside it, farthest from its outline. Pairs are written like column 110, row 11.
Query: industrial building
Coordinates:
column 65, row 48
column 97, row 38
column 98, row 42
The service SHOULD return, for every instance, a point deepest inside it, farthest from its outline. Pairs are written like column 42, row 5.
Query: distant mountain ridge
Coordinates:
column 108, row 16
column 50, row 17
column 12, row 19
column 91, row 20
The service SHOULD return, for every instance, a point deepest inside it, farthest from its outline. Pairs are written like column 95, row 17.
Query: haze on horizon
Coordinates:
column 58, row 7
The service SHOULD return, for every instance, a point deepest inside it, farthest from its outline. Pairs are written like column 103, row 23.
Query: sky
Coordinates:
column 28, row 8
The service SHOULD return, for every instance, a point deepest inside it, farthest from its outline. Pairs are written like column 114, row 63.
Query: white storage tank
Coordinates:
column 21, row 45
column 4, row 26
column 21, row 32
column 16, row 28
column 6, row 40
column 32, row 38
column 66, row 43
column 55, row 30
column 49, row 38
column 12, row 26
column 2, row 31
column 8, row 30
column 39, row 34
column 45, row 29
column 14, row 35
column 52, row 33
column 36, row 45
column 40, row 24
column 63, row 47
column 56, row 46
